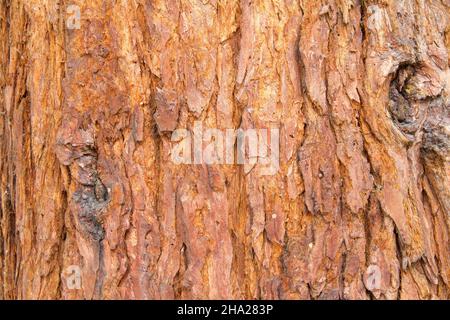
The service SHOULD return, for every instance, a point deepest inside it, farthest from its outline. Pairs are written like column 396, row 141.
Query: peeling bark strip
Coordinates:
column 91, row 93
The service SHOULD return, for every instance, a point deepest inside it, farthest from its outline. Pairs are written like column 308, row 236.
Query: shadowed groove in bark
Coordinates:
column 358, row 89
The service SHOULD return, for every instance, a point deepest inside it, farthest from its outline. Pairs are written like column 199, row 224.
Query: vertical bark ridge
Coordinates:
column 358, row 89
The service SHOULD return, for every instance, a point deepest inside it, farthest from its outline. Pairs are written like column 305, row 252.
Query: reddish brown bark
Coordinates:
column 358, row 89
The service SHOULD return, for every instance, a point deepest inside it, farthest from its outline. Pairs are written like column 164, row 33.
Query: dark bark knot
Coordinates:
column 91, row 196
column 402, row 107
column 91, row 202
column 416, row 105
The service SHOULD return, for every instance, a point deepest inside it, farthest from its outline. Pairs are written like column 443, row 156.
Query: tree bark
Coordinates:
column 360, row 205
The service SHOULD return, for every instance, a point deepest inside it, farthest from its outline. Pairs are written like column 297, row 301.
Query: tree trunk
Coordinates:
column 94, row 206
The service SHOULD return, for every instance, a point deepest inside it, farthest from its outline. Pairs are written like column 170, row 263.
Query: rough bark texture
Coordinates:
column 359, row 89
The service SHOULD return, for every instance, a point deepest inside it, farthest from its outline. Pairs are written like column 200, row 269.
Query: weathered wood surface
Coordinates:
column 360, row 92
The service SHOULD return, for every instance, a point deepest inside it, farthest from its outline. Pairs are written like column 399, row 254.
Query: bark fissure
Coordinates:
column 358, row 208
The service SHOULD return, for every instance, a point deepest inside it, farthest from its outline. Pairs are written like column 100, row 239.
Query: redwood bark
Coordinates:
column 360, row 93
